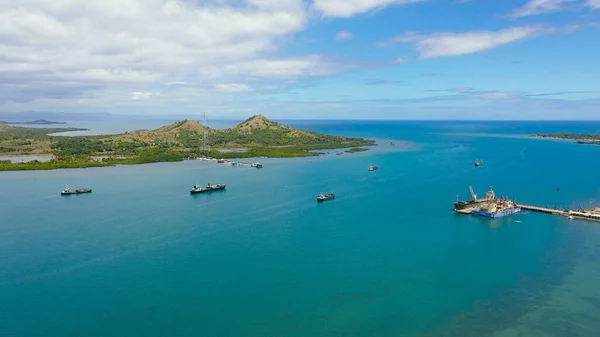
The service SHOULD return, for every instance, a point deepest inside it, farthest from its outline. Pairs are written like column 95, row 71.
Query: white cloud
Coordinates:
column 454, row 44
column 595, row 4
column 140, row 96
column 496, row 95
column 276, row 4
column 348, row 8
column 177, row 83
column 344, row 35
column 74, row 49
column 402, row 59
column 310, row 66
column 537, row 7
column 233, row 87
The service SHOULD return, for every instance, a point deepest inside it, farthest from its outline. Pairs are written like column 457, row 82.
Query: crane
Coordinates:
column 473, row 193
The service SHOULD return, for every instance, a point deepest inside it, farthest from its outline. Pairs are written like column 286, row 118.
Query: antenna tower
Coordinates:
column 204, row 147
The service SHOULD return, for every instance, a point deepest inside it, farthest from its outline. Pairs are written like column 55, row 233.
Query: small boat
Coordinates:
column 478, row 163
column 220, row 161
column 199, row 189
column 257, row 165
column 68, row 191
column 373, row 168
column 324, row 197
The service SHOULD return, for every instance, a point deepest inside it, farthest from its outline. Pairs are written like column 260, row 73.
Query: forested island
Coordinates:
column 36, row 122
column 579, row 138
column 255, row 137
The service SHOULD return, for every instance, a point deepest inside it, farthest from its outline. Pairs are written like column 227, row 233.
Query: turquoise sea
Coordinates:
column 140, row 256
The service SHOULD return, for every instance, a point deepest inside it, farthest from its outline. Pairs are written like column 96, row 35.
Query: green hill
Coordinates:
column 257, row 132
column 255, row 137
column 8, row 131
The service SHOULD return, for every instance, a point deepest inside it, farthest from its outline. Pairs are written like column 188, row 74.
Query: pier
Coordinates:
column 590, row 215
column 582, row 214
column 231, row 163
column 543, row 209
column 490, row 206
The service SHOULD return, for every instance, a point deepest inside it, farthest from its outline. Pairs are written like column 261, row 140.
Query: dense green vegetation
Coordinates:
column 78, row 146
column 270, row 137
column 150, row 155
column 356, row 149
column 190, row 139
column 7, row 149
column 15, row 132
column 259, row 136
column 287, row 152
column 89, row 145
column 71, row 162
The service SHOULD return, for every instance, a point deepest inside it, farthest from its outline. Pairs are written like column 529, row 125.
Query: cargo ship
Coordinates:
column 497, row 209
column 490, row 195
column 324, row 197
column 68, row 191
column 199, row 189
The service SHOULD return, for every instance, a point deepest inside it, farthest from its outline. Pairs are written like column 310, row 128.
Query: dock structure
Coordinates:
column 543, row 209
column 590, row 215
column 475, row 206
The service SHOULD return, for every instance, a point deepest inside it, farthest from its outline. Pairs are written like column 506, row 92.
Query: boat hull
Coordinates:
column 76, row 192
column 220, row 188
column 324, row 199
column 465, row 204
column 496, row 215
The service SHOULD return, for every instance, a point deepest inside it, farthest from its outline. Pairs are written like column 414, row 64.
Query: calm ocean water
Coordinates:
column 141, row 257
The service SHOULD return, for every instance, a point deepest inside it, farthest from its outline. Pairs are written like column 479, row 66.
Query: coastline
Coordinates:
column 581, row 139
column 187, row 139
column 380, row 145
column 578, row 141
column 56, row 163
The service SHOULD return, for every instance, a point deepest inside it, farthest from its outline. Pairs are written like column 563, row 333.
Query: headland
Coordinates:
column 187, row 139
column 579, row 138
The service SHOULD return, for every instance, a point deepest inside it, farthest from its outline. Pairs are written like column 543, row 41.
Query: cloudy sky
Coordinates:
column 338, row 59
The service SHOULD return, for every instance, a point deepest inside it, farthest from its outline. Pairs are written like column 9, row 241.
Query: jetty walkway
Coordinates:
column 543, row 209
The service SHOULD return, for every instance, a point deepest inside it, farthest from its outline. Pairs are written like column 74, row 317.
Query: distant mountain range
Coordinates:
column 35, row 122
column 50, row 116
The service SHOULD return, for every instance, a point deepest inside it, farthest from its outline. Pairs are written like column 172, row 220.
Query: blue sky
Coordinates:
column 330, row 59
